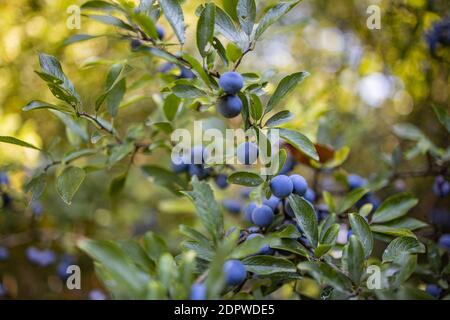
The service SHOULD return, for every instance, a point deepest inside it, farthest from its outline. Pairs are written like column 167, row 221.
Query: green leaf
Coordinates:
column 154, row 246
column 68, row 183
column 443, row 116
column 51, row 66
column 119, row 152
column 208, row 210
column 195, row 235
column 246, row 12
column 264, row 265
column 321, row 250
column 279, row 118
column 353, row 259
column 171, row 106
column 285, row 86
column 402, row 245
column 112, row 21
column 394, row 207
column 300, row 142
column 396, row 232
column 37, row 105
column 117, row 264
column 234, row 52
column 244, row 178
column 205, row 28
column 17, row 142
column 137, row 254
column 197, row 69
column 220, row 49
column 117, row 184
column 115, row 96
column 187, row 91
column 174, row 14
column 78, row 38
column 408, row 131
column 351, row 198
column 273, row 15
column 99, row 5
column 256, row 108
column 328, row 198
column 289, row 245
column 306, row 218
column 327, row 275
column 329, row 237
column 406, row 223
column 36, row 186
column 164, row 177
column 225, row 26
column 361, row 229
column 147, row 25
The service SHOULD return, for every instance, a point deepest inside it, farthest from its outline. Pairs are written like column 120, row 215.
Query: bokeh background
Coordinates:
column 362, row 82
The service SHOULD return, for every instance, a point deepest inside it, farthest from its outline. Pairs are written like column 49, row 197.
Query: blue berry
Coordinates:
column 444, row 241
column 232, row 205
column 221, row 181
column 434, row 290
column 349, row 233
column 66, row 261
column 272, row 202
column 161, row 32
column 231, row 82
column 441, row 187
column 300, row 184
column 166, row 67
column 199, row 171
column 96, row 294
column 7, row 200
column 36, row 208
column 2, row 291
column 355, row 181
column 42, row 258
column 249, row 211
column 135, row 44
column 245, row 192
column 235, row 272
column 310, row 195
column 198, row 292
column 247, row 153
column 4, row 254
column 281, row 186
column 263, row 216
column 185, row 73
column 4, row 179
column 229, row 106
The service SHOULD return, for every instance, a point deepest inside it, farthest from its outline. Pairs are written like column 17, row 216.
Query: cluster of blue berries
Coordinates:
column 42, row 258
column 195, row 166
column 230, row 105
column 441, row 187
column 439, row 34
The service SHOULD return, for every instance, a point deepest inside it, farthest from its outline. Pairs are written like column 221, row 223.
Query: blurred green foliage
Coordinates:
column 350, row 65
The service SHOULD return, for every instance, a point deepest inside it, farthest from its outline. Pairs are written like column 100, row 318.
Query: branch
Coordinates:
column 100, row 125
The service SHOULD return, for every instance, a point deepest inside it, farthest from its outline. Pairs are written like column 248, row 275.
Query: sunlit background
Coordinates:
column 362, row 82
